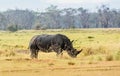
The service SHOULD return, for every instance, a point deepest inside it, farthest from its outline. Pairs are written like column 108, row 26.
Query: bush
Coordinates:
column 12, row 28
column 90, row 37
column 102, row 50
column 37, row 27
column 109, row 57
column 71, row 63
column 40, row 27
column 88, row 51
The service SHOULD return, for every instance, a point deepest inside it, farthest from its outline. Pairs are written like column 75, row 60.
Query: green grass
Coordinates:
column 101, row 43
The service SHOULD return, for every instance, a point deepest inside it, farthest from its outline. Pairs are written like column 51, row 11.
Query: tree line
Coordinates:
column 54, row 18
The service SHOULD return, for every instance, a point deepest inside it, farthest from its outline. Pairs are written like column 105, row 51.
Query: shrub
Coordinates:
column 71, row 63
column 37, row 27
column 102, row 50
column 109, row 57
column 12, row 28
column 88, row 51
column 90, row 37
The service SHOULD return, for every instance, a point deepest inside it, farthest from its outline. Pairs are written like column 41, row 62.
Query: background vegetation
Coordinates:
column 54, row 18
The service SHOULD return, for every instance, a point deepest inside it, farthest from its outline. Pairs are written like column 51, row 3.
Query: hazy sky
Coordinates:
column 40, row 5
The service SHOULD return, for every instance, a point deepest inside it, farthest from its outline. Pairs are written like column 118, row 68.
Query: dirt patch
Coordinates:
column 22, row 51
column 57, row 67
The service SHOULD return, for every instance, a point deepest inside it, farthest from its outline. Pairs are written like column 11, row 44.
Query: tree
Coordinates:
column 84, row 17
column 3, row 22
column 104, row 16
column 54, row 18
column 69, row 17
column 23, row 18
column 53, row 13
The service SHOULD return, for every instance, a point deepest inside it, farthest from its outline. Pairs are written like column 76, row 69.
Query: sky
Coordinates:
column 41, row 5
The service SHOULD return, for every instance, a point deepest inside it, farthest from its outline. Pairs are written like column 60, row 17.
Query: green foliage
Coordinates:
column 12, row 28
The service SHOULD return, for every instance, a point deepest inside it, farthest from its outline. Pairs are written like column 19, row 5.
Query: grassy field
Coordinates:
column 100, row 55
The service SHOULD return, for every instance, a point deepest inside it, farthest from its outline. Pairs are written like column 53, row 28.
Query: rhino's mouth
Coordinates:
column 74, row 53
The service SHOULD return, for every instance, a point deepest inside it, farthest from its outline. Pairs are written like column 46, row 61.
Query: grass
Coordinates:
column 101, row 43
column 100, row 55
